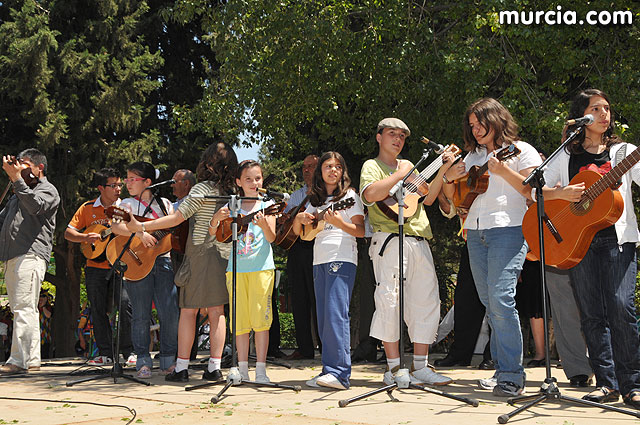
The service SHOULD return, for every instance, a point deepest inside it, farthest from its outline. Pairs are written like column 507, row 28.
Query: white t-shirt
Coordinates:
column 138, row 208
column 501, row 205
column 332, row 243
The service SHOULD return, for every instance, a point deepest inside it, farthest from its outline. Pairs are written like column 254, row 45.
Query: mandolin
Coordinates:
column 223, row 233
column 310, row 231
column 417, row 188
column 95, row 249
column 285, row 237
column 569, row 227
column 476, row 181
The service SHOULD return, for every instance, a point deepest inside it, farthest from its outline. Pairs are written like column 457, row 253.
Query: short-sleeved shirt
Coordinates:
column 138, row 208
column 88, row 214
column 374, row 170
column 332, row 243
column 254, row 251
column 501, row 205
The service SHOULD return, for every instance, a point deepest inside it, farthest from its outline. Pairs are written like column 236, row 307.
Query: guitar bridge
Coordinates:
column 552, row 228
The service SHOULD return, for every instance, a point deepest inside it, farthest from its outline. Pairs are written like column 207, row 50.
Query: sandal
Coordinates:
column 604, row 395
column 629, row 399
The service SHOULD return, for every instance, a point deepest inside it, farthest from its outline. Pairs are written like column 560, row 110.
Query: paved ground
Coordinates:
column 168, row 403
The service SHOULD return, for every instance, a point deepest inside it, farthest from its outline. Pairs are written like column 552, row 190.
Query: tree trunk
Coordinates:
column 67, row 304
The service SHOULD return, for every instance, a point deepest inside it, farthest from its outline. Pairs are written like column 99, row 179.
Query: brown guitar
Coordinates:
column 95, row 249
column 223, row 233
column 139, row 260
column 309, row 231
column 476, row 182
column 285, row 237
column 570, row 226
column 417, row 188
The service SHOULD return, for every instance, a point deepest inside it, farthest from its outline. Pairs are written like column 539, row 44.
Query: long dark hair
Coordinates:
column 247, row 163
column 578, row 106
column 144, row 170
column 319, row 193
column 492, row 115
column 219, row 165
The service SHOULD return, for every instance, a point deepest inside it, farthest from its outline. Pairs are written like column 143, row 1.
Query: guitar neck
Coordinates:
column 428, row 172
column 159, row 234
column 613, row 176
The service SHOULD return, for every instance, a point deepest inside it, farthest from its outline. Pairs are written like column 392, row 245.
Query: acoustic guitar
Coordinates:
column 285, row 237
column 139, row 259
column 95, row 249
column 476, row 181
column 569, row 227
column 223, row 233
column 310, row 231
column 416, row 188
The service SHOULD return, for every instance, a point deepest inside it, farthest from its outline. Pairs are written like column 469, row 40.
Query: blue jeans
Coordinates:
column 604, row 283
column 157, row 287
column 333, row 284
column 496, row 256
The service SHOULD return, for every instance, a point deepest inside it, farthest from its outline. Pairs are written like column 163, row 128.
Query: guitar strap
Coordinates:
column 153, row 213
column 622, row 152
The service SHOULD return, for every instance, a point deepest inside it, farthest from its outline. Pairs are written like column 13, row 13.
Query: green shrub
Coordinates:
column 287, row 331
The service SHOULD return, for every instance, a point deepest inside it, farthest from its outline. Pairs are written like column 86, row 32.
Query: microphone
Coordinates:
column 273, row 194
column 438, row 148
column 164, row 183
column 587, row 119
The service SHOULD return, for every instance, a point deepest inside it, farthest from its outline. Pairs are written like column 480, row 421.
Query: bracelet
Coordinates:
column 143, row 229
column 213, row 227
column 446, row 180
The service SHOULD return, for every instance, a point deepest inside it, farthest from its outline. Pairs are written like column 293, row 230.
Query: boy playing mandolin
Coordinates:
column 422, row 302
column 89, row 226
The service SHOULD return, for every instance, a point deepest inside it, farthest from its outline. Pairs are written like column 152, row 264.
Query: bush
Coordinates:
column 287, row 331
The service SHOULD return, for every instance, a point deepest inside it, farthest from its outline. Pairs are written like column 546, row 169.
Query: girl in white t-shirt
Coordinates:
column 335, row 256
column 494, row 232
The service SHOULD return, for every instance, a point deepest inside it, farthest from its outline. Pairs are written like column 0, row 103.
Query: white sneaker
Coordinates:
column 100, row 361
column 262, row 378
column 488, row 383
column 426, row 375
column 132, row 359
column 390, row 375
column 330, row 381
column 313, row 382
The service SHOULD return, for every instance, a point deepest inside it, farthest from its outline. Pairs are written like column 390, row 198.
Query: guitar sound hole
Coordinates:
column 581, row 208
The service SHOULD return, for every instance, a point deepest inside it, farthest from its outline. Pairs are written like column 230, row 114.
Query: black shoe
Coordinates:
column 602, row 395
column 215, row 376
column 628, row 400
column 276, row 354
column 579, row 381
column 450, row 361
column 182, row 376
column 487, row 364
column 537, row 363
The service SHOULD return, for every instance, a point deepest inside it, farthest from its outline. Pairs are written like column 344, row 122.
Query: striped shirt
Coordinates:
column 296, row 198
column 202, row 210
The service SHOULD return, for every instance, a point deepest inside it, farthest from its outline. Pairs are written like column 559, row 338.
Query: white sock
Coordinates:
column 419, row 361
column 181, row 364
column 391, row 363
column 261, row 369
column 244, row 369
column 214, row 363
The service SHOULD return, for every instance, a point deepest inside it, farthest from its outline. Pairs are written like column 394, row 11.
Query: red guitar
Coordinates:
column 476, row 182
column 417, row 188
column 570, row 226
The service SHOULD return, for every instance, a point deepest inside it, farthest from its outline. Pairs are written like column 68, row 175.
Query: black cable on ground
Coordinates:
column 131, row 410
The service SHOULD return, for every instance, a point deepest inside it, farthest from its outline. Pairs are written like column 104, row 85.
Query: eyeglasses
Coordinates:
column 114, row 185
column 133, row 179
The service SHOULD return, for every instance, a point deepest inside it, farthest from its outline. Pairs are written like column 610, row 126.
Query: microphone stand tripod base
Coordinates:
column 234, row 376
column 402, row 378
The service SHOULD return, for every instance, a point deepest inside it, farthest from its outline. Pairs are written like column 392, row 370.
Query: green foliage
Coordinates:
column 287, row 331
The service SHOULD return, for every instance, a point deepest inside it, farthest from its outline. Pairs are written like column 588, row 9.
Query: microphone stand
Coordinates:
column 549, row 389
column 117, row 273
column 233, row 377
column 402, row 379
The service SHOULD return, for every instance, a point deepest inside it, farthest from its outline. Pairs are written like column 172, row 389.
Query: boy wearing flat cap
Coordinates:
column 421, row 300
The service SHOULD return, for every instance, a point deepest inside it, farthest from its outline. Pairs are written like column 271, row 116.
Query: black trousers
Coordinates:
column 468, row 313
column 300, row 276
column 100, row 293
